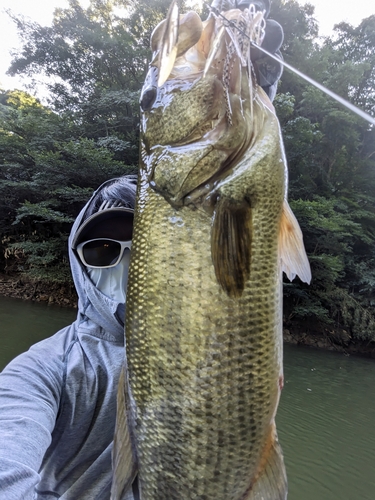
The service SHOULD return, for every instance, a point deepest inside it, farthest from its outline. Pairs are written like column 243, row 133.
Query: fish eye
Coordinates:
column 148, row 98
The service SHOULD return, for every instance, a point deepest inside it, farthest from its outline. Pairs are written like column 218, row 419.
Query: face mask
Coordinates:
column 112, row 281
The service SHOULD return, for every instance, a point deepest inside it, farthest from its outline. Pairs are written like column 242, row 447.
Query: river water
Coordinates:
column 326, row 417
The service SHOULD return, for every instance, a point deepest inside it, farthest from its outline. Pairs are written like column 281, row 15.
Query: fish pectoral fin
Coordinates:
column 292, row 253
column 231, row 237
column 270, row 482
column 124, row 463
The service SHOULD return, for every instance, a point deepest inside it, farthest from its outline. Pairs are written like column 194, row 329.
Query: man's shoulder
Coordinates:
column 58, row 345
column 42, row 368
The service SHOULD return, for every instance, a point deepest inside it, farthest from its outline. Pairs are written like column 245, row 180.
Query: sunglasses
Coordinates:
column 102, row 252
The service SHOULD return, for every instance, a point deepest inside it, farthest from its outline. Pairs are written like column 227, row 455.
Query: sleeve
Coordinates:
column 30, row 391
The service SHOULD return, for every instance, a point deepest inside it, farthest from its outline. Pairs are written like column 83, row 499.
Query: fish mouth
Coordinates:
column 185, row 171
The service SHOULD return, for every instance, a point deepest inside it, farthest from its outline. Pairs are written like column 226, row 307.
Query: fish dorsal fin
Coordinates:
column 123, row 458
column 231, row 245
column 292, row 253
column 271, row 482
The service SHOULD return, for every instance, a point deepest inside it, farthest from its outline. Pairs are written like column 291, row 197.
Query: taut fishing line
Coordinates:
column 316, row 84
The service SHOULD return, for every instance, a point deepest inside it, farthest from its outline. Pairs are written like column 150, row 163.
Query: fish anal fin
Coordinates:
column 270, row 482
column 124, row 463
column 231, row 237
column 292, row 253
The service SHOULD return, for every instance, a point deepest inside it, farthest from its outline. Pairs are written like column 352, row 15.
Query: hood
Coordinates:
column 92, row 303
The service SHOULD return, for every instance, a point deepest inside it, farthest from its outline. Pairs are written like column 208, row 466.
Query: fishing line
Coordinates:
column 310, row 80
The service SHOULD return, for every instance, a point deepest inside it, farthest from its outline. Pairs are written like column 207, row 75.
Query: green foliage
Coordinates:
column 45, row 259
column 40, row 211
column 331, row 161
column 46, row 176
column 95, row 61
column 51, row 158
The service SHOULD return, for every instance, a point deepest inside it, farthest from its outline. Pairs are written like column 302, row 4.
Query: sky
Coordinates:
column 327, row 12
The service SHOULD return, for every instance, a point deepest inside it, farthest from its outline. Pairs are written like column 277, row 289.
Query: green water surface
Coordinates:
column 326, row 418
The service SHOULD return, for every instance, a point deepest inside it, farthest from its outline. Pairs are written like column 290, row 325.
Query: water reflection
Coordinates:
column 326, row 425
column 326, row 419
column 24, row 323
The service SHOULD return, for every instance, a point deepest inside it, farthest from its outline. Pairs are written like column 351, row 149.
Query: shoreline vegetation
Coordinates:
column 53, row 156
column 21, row 287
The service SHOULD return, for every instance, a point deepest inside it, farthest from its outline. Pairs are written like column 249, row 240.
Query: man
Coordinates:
column 58, row 400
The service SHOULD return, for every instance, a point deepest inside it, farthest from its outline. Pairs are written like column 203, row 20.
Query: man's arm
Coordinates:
column 30, row 390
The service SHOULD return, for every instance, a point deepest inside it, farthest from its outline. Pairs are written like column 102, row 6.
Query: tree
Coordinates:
column 332, row 174
column 46, row 176
column 95, row 61
column 51, row 157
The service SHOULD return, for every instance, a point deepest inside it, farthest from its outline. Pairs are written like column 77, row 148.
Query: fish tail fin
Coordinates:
column 271, row 482
column 123, row 459
column 292, row 251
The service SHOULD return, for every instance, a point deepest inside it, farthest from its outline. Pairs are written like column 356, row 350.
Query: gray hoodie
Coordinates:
column 58, row 404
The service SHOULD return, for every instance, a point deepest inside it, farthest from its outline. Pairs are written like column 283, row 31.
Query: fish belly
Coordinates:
column 204, row 368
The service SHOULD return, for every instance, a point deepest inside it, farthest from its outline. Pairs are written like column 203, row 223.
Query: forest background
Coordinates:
column 94, row 61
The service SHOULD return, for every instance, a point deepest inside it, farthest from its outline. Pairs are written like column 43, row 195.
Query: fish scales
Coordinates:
column 204, row 367
column 212, row 234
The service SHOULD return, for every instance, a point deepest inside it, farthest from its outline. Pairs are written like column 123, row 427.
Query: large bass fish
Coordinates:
column 213, row 233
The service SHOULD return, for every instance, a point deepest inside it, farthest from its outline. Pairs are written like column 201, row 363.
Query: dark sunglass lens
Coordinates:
column 101, row 253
